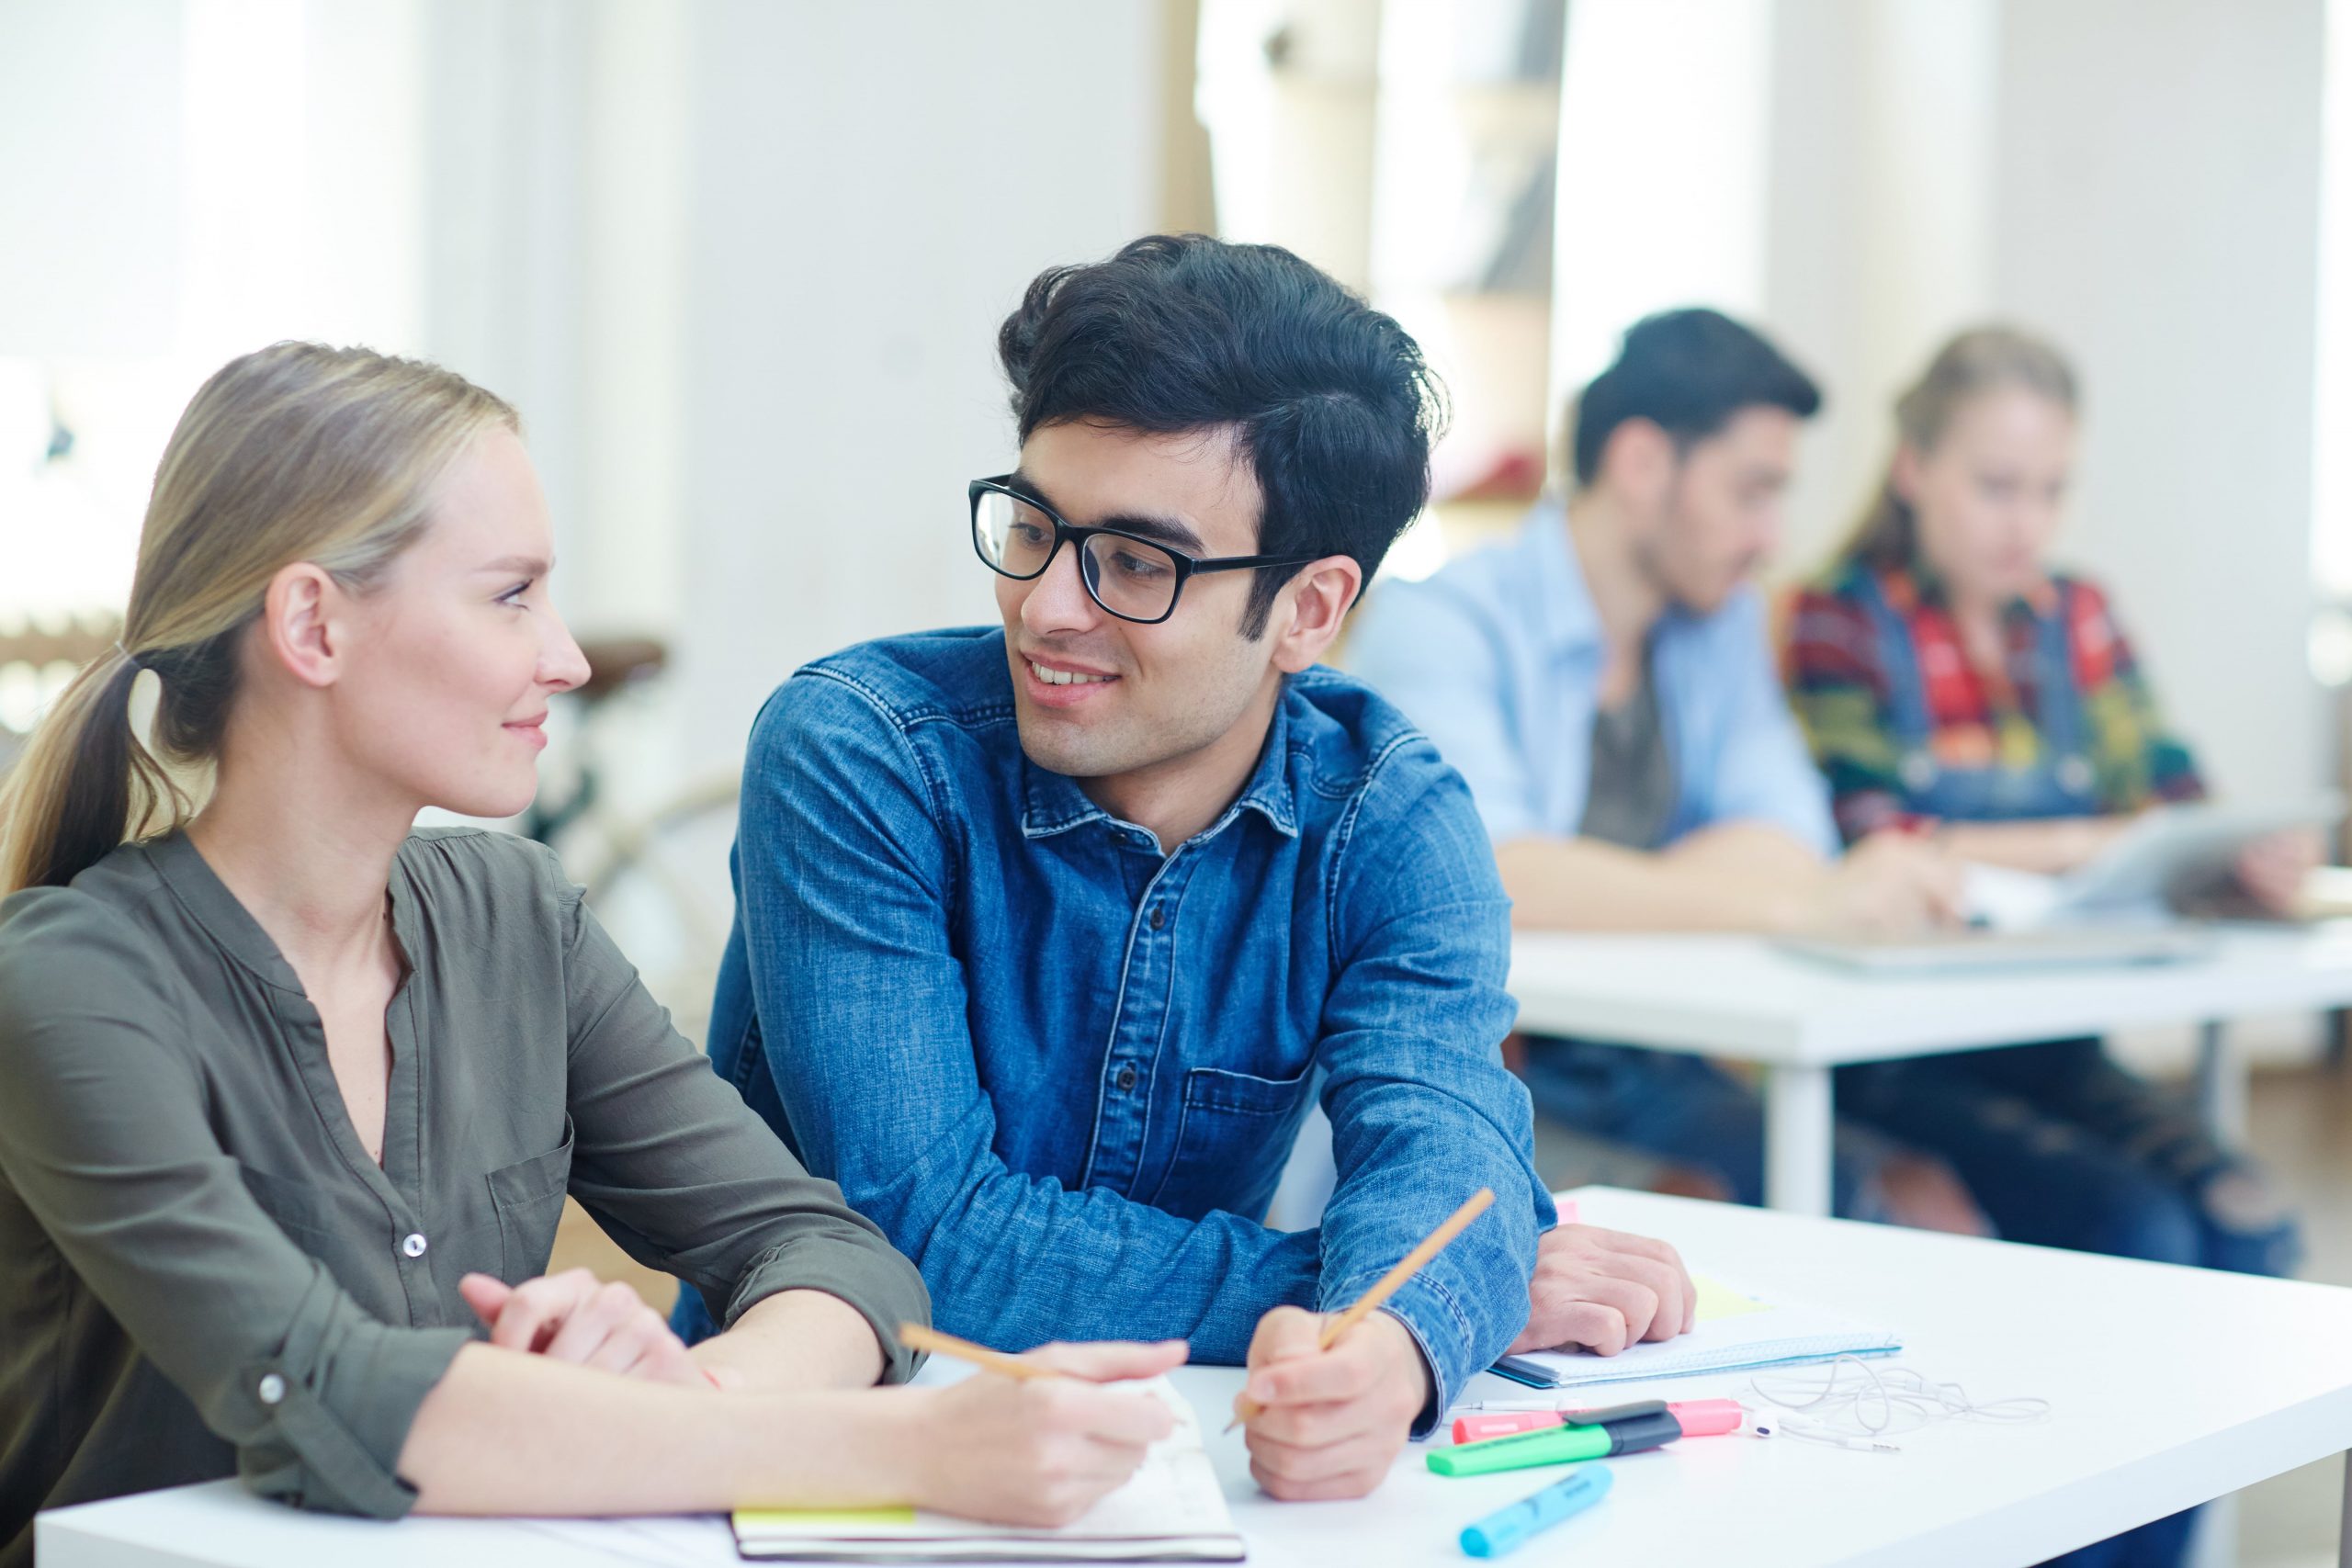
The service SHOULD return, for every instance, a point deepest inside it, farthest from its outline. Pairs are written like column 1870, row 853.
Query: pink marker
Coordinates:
column 1697, row 1417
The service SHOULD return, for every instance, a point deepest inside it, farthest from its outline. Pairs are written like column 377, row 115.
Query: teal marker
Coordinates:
column 1501, row 1532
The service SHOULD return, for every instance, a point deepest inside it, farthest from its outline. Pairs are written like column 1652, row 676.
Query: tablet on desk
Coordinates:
column 2169, row 851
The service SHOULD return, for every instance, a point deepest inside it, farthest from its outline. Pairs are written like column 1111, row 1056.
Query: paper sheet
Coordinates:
column 1737, row 1328
column 1718, row 1301
column 1172, row 1502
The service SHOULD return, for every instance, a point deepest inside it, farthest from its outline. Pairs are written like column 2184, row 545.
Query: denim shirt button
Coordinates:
column 1159, row 916
column 1127, row 1078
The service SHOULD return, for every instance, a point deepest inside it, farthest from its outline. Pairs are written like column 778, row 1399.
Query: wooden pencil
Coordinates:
column 917, row 1336
column 1410, row 1265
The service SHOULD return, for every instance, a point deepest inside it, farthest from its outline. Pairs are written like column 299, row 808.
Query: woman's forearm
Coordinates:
column 507, row 1433
column 791, row 1342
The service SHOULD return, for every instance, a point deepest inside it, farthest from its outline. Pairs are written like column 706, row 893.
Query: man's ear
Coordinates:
column 301, row 624
column 1314, row 605
column 1638, row 460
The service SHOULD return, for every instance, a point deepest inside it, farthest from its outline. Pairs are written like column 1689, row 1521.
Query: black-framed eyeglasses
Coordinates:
column 1128, row 575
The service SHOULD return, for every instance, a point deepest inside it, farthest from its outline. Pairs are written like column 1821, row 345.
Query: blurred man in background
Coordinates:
column 1603, row 681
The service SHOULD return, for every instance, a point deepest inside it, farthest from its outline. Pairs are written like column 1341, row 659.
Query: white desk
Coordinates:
column 2146, row 1420
column 1738, row 997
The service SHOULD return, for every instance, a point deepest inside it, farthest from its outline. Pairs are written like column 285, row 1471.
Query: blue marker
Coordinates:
column 1501, row 1532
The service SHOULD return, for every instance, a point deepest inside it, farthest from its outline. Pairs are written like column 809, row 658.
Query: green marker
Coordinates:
column 1556, row 1444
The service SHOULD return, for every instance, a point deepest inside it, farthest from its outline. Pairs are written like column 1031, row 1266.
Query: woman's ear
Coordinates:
column 299, row 623
column 1902, row 476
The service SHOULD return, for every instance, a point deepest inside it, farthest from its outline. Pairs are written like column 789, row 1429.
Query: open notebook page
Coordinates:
column 1736, row 1330
column 1170, row 1509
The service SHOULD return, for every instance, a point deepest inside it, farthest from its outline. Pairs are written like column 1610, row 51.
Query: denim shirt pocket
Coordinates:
column 528, row 1197
column 1233, row 1137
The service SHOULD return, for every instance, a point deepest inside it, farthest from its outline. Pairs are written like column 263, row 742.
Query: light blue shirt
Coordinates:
column 1498, row 658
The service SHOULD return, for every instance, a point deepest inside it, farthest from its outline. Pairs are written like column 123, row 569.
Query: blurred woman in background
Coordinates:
column 1953, row 681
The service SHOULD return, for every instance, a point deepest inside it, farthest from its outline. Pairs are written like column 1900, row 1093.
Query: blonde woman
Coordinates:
column 1952, row 679
column 291, row 1095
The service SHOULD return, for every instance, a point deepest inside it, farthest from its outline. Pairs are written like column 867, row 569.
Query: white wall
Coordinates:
column 2159, row 179
column 1882, row 178
column 872, row 185
column 1665, row 131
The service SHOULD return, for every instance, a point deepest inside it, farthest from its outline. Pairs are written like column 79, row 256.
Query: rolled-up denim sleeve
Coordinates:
column 1435, row 655
column 1424, row 1112
column 845, row 883
column 104, row 1138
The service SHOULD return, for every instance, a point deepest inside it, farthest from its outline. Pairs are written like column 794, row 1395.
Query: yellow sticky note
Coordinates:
column 1717, row 1300
column 820, row 1520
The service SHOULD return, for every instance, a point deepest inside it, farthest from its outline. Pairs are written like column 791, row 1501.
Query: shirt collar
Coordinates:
column 1571, row 623
column 1909, row 586
column 1052, row 803
column 210, row 903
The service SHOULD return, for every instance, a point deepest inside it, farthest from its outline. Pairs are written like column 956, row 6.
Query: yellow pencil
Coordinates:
column 920, row 1338
column 1370, row 1301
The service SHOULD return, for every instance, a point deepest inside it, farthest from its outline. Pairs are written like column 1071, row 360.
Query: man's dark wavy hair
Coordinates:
column 1328, row 399
column 1687, row 372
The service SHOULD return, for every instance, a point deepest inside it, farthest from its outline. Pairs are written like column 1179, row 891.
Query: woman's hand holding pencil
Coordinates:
column 1046, row 1437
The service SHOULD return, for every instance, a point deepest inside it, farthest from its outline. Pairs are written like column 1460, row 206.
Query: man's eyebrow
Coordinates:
column 1167, row 530
column 518, row 565
column 1151, row 525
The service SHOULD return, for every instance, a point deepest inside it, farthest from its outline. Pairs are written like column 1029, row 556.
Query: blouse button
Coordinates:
column 414, row 1245
column 1127, row 1077
column 272, row 1388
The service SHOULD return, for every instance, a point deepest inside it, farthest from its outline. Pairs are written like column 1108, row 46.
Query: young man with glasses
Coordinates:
column 1046, row 936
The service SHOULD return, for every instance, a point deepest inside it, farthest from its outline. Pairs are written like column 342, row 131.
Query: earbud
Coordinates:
column 1774, row 1424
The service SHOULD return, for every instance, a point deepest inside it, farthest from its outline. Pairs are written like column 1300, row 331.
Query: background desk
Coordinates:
column 2170, row 1386
column 1739, row 997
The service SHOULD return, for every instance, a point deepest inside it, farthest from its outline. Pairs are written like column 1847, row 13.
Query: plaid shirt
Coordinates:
column 1838, row 684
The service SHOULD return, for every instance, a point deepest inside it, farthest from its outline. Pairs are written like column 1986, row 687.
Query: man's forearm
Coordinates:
column 1740, row 877
column 792, row 1341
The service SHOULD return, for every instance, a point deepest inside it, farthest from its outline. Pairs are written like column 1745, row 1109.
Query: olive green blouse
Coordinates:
column 201, row 1270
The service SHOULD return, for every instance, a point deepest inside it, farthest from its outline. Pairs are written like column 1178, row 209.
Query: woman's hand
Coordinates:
column 573, row 1316
column 1041, row 1452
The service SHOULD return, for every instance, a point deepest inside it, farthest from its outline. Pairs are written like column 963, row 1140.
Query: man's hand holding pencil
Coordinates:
column 1331, row 1398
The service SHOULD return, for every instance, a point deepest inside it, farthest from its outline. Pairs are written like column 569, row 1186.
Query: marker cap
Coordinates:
column 1708, row 1417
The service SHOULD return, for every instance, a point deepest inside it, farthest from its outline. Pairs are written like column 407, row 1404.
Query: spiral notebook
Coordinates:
column 1171, row 1510
column 1737, row 1330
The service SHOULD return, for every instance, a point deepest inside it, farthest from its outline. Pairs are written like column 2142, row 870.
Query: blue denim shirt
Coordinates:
column 1499, row 655
column 1063, row 1071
